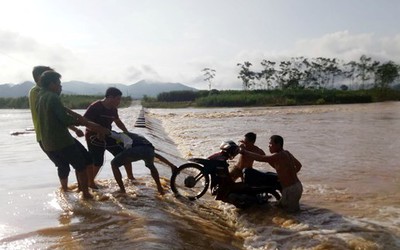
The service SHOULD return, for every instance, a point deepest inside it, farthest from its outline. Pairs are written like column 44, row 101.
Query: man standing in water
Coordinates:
column 53, row 122
column 104, row 112
column 33, row 97
column 287, row 167
column 245, row 161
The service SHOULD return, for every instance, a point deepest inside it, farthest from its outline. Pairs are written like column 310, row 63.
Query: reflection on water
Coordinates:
column 350, row 177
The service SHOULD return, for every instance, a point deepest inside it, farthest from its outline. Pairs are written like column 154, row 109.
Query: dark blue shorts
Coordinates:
column 75, row 155
column 136, row 153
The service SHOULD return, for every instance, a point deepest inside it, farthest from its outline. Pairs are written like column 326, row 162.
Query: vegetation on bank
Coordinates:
column 276, row 97
column 70, row 101
column 297, row 81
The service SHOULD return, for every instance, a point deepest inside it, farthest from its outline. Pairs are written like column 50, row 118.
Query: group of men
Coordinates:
column 51, row 120
column 285, row 164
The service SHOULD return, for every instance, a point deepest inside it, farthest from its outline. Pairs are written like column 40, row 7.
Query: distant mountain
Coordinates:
column 136, row 90
column 15, row 90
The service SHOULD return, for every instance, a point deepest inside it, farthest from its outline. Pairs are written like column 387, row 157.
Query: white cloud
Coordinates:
column 347, row 46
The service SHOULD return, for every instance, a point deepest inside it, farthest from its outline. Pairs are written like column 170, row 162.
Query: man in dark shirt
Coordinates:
column 104, row 112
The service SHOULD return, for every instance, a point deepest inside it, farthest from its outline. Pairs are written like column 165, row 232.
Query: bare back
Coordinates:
column 286, row 166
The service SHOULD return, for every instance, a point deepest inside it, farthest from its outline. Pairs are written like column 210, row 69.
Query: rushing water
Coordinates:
column 350, row 175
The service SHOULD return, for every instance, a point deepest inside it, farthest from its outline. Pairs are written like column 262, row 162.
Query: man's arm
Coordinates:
column 72, row 113
column 256, row 157
column 93, row 126
column 89, row 124
column 271, row 159
column 120, row 125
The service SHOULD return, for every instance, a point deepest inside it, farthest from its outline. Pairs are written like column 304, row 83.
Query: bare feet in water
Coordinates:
column 161, row 191
column 94, row 186
column 87, row 196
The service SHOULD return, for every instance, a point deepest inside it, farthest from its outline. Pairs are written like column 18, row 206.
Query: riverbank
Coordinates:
column 260, row 98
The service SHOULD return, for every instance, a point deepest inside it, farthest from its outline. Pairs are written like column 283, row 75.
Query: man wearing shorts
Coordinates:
column 53, row 122
column 63, row 169
column 136, row 147
column 287, row 167
column 104, row 112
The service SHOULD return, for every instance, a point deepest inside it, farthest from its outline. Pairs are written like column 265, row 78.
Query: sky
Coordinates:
column 125, row 41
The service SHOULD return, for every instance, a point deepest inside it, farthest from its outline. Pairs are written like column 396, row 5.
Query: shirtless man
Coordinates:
column 244, row 160
column 287, row 167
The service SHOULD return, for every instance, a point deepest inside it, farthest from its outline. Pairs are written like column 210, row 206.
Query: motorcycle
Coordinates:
column 192, row 180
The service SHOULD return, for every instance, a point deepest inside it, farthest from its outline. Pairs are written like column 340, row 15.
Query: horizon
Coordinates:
column 105, row 83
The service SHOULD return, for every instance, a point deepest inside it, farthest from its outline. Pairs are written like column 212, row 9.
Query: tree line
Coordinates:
column 70, row 101
column 319, row 73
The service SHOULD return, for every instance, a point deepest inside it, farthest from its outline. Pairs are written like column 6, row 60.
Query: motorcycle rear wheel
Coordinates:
column 190, row 181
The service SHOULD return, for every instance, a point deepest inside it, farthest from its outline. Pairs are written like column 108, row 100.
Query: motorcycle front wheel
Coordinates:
column 190, row 181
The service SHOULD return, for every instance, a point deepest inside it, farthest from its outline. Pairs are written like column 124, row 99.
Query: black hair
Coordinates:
column 49, row 77
column 113, row 92
column 277, row 139
column 37, row 72
column 251, row 137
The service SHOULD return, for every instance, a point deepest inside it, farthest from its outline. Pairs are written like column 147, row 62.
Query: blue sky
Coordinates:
column 124, row 41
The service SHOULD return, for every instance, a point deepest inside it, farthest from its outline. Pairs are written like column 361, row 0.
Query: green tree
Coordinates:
column 209, row 75
column 267, row 75
column 386, row 74
column 246, row 75
column 366, row 68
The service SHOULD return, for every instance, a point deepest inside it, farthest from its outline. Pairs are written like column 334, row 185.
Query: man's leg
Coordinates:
column 97, row 154
column 64, row 184
column 62, row 167
column 128, row 169
column 156, row 177
column 80, row 159
column 118, row 178
column 115, row 150
column 148, row 155
column 83, row 180
column 63, row 170
column 92, row 171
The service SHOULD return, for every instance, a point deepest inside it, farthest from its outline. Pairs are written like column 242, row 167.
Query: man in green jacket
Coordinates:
column 53, row 121
column 33, row 97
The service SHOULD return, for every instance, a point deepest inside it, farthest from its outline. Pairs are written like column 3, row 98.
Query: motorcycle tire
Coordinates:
column 190, row 181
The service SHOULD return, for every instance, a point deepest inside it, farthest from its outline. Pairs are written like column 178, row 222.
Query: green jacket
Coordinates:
column 53, row 121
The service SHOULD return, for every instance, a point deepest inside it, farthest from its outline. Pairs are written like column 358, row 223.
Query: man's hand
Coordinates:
column 101, row 131
column 242, row 149
column 79, row 132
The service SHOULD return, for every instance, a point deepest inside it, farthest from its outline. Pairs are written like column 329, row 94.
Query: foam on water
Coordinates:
column 323, row 223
